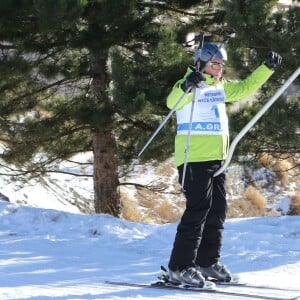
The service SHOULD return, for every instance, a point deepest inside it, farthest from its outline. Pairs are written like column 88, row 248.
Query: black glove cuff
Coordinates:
column 269, row 66
column 184, row 86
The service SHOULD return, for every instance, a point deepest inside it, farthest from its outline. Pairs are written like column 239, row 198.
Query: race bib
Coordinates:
column 209, row 115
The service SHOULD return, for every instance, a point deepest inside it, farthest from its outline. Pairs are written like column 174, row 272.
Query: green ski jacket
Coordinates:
column 208, row 147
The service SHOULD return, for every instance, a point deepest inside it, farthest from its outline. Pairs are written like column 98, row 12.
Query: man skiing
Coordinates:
column 196, row 250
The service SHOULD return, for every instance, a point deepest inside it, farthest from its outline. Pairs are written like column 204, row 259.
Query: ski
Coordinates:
column 216, row 290
column 247, row 285
column 235, row 282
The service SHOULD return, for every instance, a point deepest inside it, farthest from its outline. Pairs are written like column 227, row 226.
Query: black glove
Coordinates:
column 192, row 80
column 273, row 59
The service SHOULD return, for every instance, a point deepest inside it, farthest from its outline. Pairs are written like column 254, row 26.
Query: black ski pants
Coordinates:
column 199, row 233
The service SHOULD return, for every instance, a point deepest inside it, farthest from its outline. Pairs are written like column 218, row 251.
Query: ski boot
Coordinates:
column 189, row 276
column 217, row 272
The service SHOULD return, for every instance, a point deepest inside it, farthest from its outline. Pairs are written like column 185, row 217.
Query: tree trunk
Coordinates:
column 106, row 182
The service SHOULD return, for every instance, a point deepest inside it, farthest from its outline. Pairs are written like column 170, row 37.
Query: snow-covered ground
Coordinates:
column 54, row 190
column 51, row 254
column 49, row 250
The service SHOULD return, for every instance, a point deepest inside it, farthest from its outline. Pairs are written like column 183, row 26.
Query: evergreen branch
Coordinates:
column 134, row 49
column 136, row 123
column 7, row 47
column 150, row 187
column 38, row 169
column 278, row 151
column 79, row 163
column 44, row 88
column 164, row 7
column 69, row 173
column 19, row 173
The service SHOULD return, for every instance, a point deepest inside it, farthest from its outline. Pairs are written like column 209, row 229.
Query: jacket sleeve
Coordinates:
column 177, row 92
column 237, row 90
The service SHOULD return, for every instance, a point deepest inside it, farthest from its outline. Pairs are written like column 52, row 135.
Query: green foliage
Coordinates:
column 259, row 30
column 50, row 51
column 142, row 80
column 275, row 133
column 134, row 52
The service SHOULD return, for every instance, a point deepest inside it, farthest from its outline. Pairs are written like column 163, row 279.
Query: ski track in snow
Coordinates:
column 49, row 254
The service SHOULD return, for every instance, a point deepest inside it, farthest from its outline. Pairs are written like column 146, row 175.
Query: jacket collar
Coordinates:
column 209, row 79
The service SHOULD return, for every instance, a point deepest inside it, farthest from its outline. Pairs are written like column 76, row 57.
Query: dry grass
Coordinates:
column 243, row 208
column 283, row 169
column 153, row 206
column 168, row 212
column 130, row 209
column 295, row 204
column 256, row 197
column 167, row 169
column 281, row 166
column 265, row 159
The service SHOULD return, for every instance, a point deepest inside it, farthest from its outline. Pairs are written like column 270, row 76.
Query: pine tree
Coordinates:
column 79, row 75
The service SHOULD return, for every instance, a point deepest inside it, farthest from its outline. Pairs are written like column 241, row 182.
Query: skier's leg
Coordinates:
column 210, row 248
column 198, row 192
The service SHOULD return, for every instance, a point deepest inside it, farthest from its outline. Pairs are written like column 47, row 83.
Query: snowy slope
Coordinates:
column 50, row 254
column 54, row 190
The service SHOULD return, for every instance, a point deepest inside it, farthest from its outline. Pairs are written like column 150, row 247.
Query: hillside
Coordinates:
column 150, row 193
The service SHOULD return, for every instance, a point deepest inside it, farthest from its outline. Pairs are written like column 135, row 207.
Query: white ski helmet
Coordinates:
column 210, row 51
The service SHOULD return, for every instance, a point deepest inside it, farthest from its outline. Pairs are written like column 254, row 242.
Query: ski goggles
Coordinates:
column 215, row 65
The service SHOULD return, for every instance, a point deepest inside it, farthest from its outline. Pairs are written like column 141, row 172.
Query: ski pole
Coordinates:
column 188, row 139
column 255, row 119
column 164, row 121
